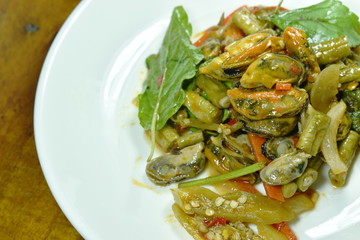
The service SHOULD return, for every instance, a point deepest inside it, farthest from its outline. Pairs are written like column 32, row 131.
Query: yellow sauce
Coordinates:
column 142, row 185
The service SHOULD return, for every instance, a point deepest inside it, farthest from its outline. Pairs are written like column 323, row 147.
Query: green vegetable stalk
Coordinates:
column 314, row 125
column 215, row 90
column 349, row 73
column 201, row 108
column 347, row 150
column 235, row 206
column 247, row 21
column 311, row 173
column 352, row 100
column 289, row 189
column 166, row 137
column 190, row 138
column 332, row 50
column 307, row 179
column 190, row 224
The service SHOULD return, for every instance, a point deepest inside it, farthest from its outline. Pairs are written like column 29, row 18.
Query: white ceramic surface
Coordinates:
column 91, row 146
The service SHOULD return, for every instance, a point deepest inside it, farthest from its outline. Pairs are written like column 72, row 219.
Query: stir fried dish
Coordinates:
column 263, row 100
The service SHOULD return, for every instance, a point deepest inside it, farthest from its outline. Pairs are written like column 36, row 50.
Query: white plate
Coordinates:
column 91, row 146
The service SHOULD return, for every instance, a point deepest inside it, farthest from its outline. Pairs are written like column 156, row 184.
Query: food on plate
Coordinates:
column 263, row 100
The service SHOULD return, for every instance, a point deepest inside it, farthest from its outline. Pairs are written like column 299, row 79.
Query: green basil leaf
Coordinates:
column 167, row 70
column 323, row 21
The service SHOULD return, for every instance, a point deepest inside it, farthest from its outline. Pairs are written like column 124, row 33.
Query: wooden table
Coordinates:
column 27, row 208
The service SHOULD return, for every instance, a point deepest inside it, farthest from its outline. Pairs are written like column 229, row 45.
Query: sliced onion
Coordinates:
column 325, row 88
column 329, row 146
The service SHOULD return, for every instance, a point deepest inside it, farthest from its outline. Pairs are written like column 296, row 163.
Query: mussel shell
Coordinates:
column 285, row 168
column 178, row 165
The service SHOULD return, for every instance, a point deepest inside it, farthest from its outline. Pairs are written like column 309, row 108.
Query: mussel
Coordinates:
column 238, row 55
column 277, row 146
column 211, row 47
column 273, row 127
column 239, row 146
column 297, row 45
column 243, row 54
column 221, row 161
column 214, row 69
column 227, row 153
column 285, row 169
column 177, row 165
column 271, row 68
column 258, row 104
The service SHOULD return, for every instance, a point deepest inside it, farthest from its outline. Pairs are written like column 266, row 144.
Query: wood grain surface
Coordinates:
column 27, row 208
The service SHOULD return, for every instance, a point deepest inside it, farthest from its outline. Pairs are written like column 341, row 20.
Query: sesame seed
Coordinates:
column 241, row 207
column 242, row 199
column 256, row 237
column 225, row 233
column 249, row 233
column 236, row 236
column 219, row 201
column 240, row 226
column 227, row 131
column 234, row 204
column 210, row 235
column 203, row 228
column 209, row 212
column 195, row 204
column 187, row 207
column 218, row 236
column 186, row 121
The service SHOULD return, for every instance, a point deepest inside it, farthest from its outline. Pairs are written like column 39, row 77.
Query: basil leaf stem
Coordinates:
column 224, row 177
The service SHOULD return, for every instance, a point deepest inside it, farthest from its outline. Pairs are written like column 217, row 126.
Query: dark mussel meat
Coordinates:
column 258, row 104
column 277, row 146
column 273, row 127
column 177, row 165
column 271, row 68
